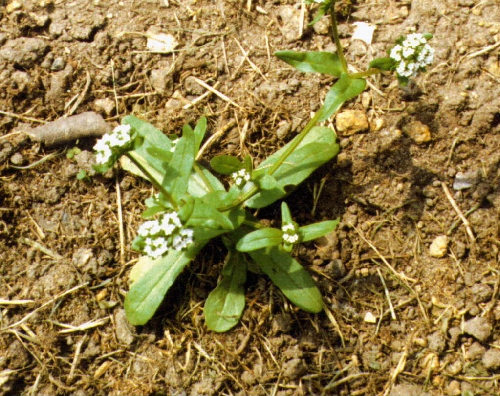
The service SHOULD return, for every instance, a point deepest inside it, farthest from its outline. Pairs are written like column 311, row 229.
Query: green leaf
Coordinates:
column 159, row 153
column 291, row 278
column 382, row 64
column 316, row 230
column 344, row 89
column 267, row 182
column 259, row 239
column 286, row 216
column 177, row 175
column 199, row 132
column 322, row 10
column 224, row 305
column 206, row 216
column 226, row 164
column 317, row 148
column 312, row 62
column 147, row 293
column 203, row 182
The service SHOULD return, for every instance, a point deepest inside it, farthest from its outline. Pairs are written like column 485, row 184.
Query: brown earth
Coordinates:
column 64, row 243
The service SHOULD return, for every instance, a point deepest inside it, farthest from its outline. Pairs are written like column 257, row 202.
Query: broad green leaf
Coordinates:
column 317, row 230
column 224, row 305
column 312, row 62
column 226, row 164
column 259, row 239
column 160, row 154
column 286, row 216
column 344, row 89
column 248, row 164
column 291, row 278
column 382, row 64
column 147, row 292
column 317, row 148
column 177, row 175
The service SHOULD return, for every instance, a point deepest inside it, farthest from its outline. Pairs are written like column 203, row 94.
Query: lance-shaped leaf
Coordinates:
column 343, row 90
column 317, row 148
column 199, row 132
column 224, row 305
column 312, row 62
column 259, row 239
column 316, row 230
column 382, row 64
column 180, row 167
column 147, row 293
column 291, row 278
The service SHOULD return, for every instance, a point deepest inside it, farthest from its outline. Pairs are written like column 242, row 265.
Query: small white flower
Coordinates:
column 149, row 228
column 170, row 222
column 120, row 136
column 290, row 233
column 183, row 239
column 240, row 177
column 155, row 247
column 413, row 55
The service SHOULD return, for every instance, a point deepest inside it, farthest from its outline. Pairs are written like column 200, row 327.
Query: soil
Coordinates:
column 410, row 278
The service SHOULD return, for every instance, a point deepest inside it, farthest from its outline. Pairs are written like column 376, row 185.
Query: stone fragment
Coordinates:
column 476, row 351
column 105, row 105
column 491, row 359
column 439, row 246
column 370, row 318
column 453, row 388
column 192, row 87
column 123, row 330
column 436, row 341
column 24, row 51
column 478, row 327
column 293, row 368
column 291, row 18
column 418, row 132
column 481, row 293
column 161, row 80
column 350, row 122
column 408, row 390
column 162, row 42
column 466, row 180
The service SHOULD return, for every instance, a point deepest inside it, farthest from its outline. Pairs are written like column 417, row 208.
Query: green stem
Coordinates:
column 200, row 173
column 336, row 39
column 289, row 150
column 155, row 183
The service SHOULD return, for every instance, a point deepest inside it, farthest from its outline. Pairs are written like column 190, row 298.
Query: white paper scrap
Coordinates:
column 363, row 32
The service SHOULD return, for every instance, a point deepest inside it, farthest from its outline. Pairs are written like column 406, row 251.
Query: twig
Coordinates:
column 76, row 358
column 391, row 308
column 21, row 117
column 51, row 301
column 459, row 213
column 219, row 94
column 120, row 223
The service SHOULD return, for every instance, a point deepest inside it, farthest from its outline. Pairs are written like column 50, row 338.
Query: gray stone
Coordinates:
column 478, row 327
column 291, row 18
column 293, row 368
column 408, row 390
column 491, row 359
column 437, row 342
column 476, row 351
column 123, row 330
column 161, row 80
column 24, row 51
column 58, row 64
column 481, row 293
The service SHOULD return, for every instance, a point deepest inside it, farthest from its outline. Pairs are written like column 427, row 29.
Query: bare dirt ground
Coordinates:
column 401, row 321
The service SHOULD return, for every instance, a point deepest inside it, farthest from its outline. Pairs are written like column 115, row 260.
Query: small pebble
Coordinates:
column 350, row 122
column 491, row 359
column 466, row 180
column 418, row 132
column 478, row 327
column 58, row 64
column 17, row 159
column 370, row 318
column 439, row 246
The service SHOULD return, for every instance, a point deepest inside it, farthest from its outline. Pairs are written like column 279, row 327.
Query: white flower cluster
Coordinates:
column 240, row 177
column 112, row 143
column 413, row 54
column 165, row 233
column 290, row 233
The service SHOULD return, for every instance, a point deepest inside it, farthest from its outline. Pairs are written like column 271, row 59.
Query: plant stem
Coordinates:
column 289, row 150
column 155, row 182
column 336, row 39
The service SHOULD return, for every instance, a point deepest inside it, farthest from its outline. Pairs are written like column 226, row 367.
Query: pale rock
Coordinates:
column 453, row 388
column 291, row 18
column 439, row 246
column 370, row 318
column 478, row 327
column 350, row 122
column 162, row 42
column 491, row 359
column 105, row 105
column 418, row 132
